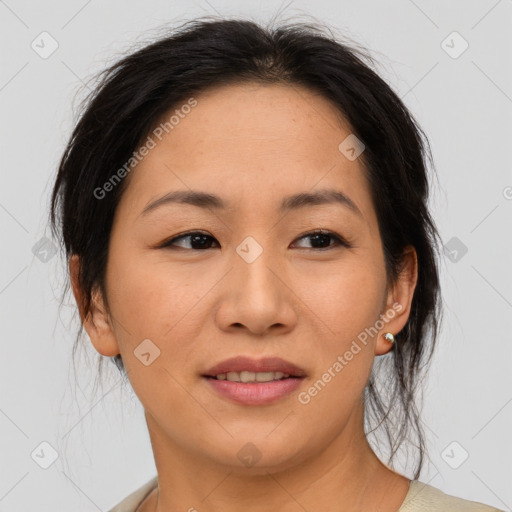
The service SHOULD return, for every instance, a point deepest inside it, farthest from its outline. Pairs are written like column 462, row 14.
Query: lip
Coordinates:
column 266, row 364
column 255, row 393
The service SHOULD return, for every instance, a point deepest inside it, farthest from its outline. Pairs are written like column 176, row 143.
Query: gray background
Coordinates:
column 463, row 103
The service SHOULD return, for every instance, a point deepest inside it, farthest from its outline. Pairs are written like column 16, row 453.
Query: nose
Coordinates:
column 257, row 297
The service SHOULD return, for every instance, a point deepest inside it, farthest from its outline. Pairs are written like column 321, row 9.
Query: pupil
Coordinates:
column 319, row 236
column 200, row 240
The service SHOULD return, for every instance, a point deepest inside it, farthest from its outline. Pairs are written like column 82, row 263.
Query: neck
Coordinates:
column 346, row 474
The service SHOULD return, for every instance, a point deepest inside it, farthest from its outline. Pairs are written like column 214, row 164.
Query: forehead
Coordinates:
column 253, row 141
column 281, row 119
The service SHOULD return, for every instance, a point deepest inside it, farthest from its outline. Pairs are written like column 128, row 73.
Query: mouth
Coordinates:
column 254, row 382
column 247, row 376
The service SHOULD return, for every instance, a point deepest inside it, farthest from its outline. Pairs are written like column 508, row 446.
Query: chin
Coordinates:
column 259, row 453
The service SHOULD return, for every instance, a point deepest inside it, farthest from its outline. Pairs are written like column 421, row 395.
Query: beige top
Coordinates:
column 421, row 497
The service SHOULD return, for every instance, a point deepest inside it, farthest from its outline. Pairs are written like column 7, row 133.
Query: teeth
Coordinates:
column 246, row 376
column 267, row 376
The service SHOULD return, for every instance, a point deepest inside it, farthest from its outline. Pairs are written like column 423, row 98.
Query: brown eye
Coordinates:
column 321, row 240
column 195, row 240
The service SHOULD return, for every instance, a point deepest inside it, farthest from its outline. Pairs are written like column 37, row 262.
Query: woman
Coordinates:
column 244, row 212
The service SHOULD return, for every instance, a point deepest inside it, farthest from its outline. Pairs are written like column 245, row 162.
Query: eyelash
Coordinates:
column 340, row 241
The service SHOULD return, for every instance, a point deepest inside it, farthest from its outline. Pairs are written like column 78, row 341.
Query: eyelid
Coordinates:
column 167, row 243
column 340, row 240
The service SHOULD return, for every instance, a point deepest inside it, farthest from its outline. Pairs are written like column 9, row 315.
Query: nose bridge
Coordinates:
column 255, row 297
column 253, row 266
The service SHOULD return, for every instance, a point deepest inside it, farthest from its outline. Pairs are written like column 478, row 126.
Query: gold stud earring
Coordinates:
column 389, row 337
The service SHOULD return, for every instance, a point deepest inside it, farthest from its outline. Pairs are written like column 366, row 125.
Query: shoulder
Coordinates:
column 133, row 500
column 426, row 498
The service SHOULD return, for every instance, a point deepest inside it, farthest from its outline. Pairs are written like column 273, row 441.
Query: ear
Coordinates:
column 97, row 322
column 398, row 301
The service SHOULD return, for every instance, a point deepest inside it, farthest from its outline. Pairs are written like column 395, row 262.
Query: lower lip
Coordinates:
column 255, row 393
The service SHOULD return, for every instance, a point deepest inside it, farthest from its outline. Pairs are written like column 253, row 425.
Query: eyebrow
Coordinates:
column 294, row 202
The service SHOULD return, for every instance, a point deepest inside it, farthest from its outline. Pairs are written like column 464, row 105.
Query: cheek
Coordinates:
column 154, row 301
column 348, row 298
column 348, row 301
column 150, row 297
column 346, row 353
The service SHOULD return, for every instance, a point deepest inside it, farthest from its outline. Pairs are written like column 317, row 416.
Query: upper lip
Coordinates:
column 266, row 364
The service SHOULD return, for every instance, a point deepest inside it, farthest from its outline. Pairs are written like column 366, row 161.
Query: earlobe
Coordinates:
column 96, row 321
column 399, row 301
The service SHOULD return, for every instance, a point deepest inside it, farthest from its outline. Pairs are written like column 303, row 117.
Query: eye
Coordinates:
column 320, row 240
column 196, row 240
column 201, row 241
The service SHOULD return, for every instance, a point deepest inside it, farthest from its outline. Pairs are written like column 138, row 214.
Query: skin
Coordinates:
column 252, row 145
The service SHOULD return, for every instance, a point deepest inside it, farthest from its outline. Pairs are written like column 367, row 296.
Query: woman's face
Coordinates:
column 256, row 282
